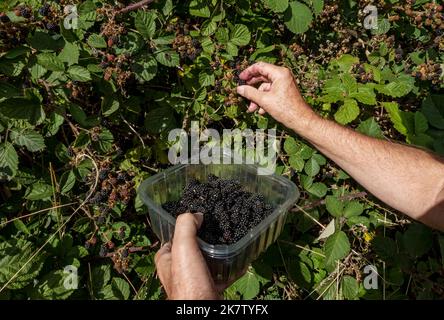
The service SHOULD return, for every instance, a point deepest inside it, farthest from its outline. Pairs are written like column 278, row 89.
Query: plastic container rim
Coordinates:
column 221, row 250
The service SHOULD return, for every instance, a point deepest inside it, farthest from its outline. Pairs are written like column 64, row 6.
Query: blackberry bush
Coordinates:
column 85, row 114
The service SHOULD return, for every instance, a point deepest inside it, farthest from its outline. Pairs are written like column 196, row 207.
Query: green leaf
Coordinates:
column 399, row 87
column 20, row 226
column 353, row 209
column 110, row 104
column 396, row 116
column 421, row 125
column 433, row 109
column 70, row 54
column 350, row 83
column 334, row 206
column 67, row 181
column 145, row 23
column 78, row 73
column 365, row 95
column 290, row 146
column 370, row 128
column 349, row 288
column 120, row 288
column 240, row 35
column 296, row 163
column 336, row 247
column 159, row 119
column 15, row 255
column 33, row 141
column 50, row 62
column 21, row 108
column 145, row 70
column 168, row 58
column 38, row 191
column 96, row 41
column 348, row 112
column 318, row 6
column 417, row 240
column 8, row 158
column 105, row 142
column 277, row 6
column 248, row 285
column 52, row 287
column 199, row 8
column 312, row 167
column 318, row 189
column 298, row 17
column 42, row 41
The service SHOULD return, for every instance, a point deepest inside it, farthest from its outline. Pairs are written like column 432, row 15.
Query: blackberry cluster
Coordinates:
column 429, row 72
column 114, row 187
column 229, row 211
column 187, row 47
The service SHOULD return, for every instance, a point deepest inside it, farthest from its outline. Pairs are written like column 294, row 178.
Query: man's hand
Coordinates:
column 277, row 94
column 181, row 267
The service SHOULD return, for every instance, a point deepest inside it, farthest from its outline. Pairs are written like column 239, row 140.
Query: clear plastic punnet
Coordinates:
column 226, row 262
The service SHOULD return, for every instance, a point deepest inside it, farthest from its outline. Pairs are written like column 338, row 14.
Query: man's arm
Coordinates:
column 406, row 178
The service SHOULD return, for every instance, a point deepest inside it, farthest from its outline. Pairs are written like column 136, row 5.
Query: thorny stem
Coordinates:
column 134, row 6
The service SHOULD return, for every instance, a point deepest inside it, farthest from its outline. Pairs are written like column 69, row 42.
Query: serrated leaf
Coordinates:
column 349, row 288
column 348, row 112
column 8, row 158
column 67, row 181
column 365, row 95
column 318, row 189
column 240, row 35
column 248, row 285
column 199, row 8
column 334, row 206
column 417, row 240
column 120, row 288
column 70, row 54
column 14, row 256
column 312, row 167
column 433, row 109
column 370, row 128
column 33, row 141
column 78, row 73
column 145, row 23
column 352, row 209
column 277, row 6
column 38, row 191
column 336, row 248
column 168, row 58
column 50, row 62
column 21, row 108
column 298, row 17
column 296, row 163
column 145, row 70
column 96, row 41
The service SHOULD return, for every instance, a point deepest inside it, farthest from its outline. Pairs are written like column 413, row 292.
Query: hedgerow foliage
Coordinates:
column 85, row 114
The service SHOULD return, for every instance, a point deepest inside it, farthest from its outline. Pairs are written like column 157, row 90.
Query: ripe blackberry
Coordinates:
column 25, row 12
column 229, row 211
column 103, row 251
column 103, row 174
column 4, row 18
column 101, row 220
column 52, row 26
column 122, row 177
column 44, row 10
column 70, row 152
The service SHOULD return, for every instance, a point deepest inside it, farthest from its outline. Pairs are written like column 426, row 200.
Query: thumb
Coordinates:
column 252, row 94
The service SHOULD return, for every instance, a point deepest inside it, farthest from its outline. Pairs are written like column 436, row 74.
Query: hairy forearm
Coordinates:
column 406, row 178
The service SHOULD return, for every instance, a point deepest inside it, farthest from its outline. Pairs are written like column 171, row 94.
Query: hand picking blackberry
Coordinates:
column 230, row 212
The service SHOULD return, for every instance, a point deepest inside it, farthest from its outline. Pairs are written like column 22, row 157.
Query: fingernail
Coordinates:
column 199, row 217
column 240, row 90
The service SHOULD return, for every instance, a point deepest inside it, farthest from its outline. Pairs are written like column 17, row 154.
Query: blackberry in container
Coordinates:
column 225, row 261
